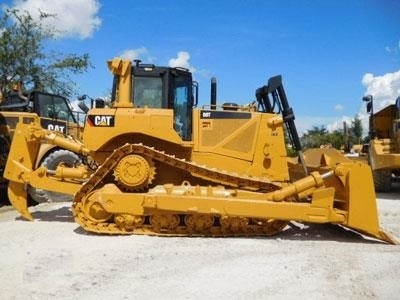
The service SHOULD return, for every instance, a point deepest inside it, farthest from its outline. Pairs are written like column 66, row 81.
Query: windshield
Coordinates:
column 167, row 88
column 147, row 92
column 55, row 108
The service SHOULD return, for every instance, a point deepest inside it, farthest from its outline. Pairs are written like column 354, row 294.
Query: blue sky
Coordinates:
column 330, row 53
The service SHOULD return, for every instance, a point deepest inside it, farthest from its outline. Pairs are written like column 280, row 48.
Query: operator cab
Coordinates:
column 165, row 88
column 54, row 110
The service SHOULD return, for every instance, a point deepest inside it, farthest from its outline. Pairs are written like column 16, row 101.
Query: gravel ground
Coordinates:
column 53, row 258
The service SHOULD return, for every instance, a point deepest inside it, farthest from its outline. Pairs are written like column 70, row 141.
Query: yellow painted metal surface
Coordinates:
column 384, row 154
column 233, row 178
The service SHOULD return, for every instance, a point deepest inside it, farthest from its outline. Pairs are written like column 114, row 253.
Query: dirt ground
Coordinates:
column 53, row 258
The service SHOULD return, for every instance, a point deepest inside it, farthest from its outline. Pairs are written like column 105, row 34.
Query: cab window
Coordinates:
column 182, row 109
column 147, row 92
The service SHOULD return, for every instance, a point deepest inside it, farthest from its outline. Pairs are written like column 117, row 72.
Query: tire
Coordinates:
column 396, row 174
column 51, row 162
column 382, row 180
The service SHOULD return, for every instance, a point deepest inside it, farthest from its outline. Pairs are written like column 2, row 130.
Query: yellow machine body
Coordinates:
column 384, row 147
column 144, row 172
column 52, row 112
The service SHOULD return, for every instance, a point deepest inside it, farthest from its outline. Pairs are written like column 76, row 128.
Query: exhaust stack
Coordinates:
column 213, row 101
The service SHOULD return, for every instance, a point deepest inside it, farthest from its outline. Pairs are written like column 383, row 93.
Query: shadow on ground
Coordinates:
column 62, row 214
column 294, row 231
column 301, row 232
column 323, row 232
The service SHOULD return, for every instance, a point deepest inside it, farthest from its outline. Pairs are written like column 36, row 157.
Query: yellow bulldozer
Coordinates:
column 153, row 163
column 55, row 114
column 384, row 145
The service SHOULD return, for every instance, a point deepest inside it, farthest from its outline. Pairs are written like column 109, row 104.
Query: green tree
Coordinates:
column 339, row 139
column 314, row 137
column 356, row 130
column 23, row 59
column 336, row 139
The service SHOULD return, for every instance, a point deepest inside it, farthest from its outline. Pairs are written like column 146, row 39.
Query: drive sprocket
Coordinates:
column 134, row 173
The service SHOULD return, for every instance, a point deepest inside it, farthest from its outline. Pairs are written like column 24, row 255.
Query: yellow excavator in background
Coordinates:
column 153, row 163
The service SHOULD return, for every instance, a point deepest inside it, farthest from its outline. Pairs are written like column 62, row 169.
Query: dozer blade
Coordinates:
column 362, row 210
column 354, row 190
column 18, row 198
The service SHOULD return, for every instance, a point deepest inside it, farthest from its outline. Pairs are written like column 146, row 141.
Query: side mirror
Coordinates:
column 83, row 106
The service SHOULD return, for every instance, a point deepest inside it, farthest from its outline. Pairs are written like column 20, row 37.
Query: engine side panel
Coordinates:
column 247, row 142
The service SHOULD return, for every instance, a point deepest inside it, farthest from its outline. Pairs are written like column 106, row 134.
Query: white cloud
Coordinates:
column 384, row 89
column 182, row 60
column 338, row 124
column 73, row 18
column 139, row 53
column 339, row 107
column 395, row 49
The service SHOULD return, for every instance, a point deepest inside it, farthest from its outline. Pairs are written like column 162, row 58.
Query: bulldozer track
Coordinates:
column 177, row 225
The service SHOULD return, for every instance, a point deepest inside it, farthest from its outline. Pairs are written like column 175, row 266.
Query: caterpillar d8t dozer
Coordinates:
column 152, row 163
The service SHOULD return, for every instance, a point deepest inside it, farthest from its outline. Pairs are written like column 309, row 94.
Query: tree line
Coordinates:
column 344, row 139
